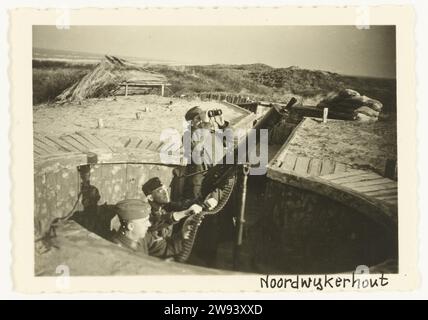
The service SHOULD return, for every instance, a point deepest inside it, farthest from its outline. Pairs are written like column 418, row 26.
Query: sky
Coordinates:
column 342, row 49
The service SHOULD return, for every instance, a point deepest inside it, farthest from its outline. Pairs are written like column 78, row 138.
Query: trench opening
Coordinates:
column 287, row 230
column 293, row 231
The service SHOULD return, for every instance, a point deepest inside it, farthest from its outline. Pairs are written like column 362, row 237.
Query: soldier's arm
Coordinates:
column 166, row 248
column 163, row 221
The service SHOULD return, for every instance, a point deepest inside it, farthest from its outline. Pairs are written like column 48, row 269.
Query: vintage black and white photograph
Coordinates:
column 214, row 150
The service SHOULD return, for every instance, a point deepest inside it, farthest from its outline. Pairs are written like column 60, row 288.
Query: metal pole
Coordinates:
column 241, row 218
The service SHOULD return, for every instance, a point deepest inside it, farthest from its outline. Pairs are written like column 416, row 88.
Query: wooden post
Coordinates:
column 325, row 115
column 162, row 90
column 391, row 169
column 126, row 89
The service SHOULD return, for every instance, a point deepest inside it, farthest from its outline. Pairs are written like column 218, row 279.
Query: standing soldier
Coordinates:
column 203, row 127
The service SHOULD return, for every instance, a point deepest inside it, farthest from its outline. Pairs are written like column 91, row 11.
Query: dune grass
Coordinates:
column 50, row 78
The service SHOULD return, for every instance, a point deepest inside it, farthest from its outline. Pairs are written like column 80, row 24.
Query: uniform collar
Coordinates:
column 126, row 242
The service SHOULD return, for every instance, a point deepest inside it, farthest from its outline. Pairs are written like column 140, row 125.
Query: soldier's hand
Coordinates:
column 195, row 208
column 180, row 215
column 211, row 203
column 204, row 116
column 220, row 120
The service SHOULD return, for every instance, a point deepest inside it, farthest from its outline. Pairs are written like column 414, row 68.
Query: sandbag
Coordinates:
column 348, row 93
column 357, row 102
column 367, row 111
column 360, row 117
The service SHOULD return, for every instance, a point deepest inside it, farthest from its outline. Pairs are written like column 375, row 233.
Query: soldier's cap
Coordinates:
column 133, row 209
column 151, row 185
column 192, row 112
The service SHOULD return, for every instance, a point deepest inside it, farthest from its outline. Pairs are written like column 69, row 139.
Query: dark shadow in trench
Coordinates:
column 95, row 218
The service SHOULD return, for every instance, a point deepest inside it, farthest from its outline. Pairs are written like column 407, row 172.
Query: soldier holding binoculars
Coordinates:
column 209, row 119
column 205, row 249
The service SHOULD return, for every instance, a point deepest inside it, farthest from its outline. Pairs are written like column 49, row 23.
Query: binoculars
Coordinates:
column 214, row 113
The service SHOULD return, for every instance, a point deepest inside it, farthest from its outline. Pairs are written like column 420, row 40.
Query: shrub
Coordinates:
column 50, row 82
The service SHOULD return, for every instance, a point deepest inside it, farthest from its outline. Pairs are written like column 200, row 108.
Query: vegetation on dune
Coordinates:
column 51, row 81
column 261, row 81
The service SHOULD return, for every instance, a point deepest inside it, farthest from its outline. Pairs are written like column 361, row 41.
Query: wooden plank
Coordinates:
column 41, row 151
column 108, row 144
column 388, row 197
column 158, row 148
column 94, row 140
column 349, row 173
column 386, row 186
column 171, row 147
column 153, row 146
column 37, row 135
column 384, row 215
column 83, row 141
column 392, row 202
column 289, row 162
column 358, row 178
column 147, row 144
column 327, row 167
column 278, row 163
column 68, row 139
column 125, row 141
column 382, row 192
column 61, row 144
column 379, row 180
column 282, row 154
column 302, row 164
column 315, row 167
column 38, row 151
column 44, row 147
column 340, row 167
column 133, row 142
column 49, row 143
column 143, row 142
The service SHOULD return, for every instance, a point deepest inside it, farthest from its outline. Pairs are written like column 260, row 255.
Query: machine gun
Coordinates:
column 224, row 176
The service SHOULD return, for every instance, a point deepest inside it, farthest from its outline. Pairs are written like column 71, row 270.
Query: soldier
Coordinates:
column 134, row 217
column 203, row 144
column 164, row 213
column 208, row 237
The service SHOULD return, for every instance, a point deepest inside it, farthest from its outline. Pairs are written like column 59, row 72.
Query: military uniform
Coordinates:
column 157, row 247
column 135, row 209
column 162, row 217
column 207, row 240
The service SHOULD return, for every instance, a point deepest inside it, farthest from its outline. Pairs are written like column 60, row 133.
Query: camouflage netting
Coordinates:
column 106, row 78
column 350, row 102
